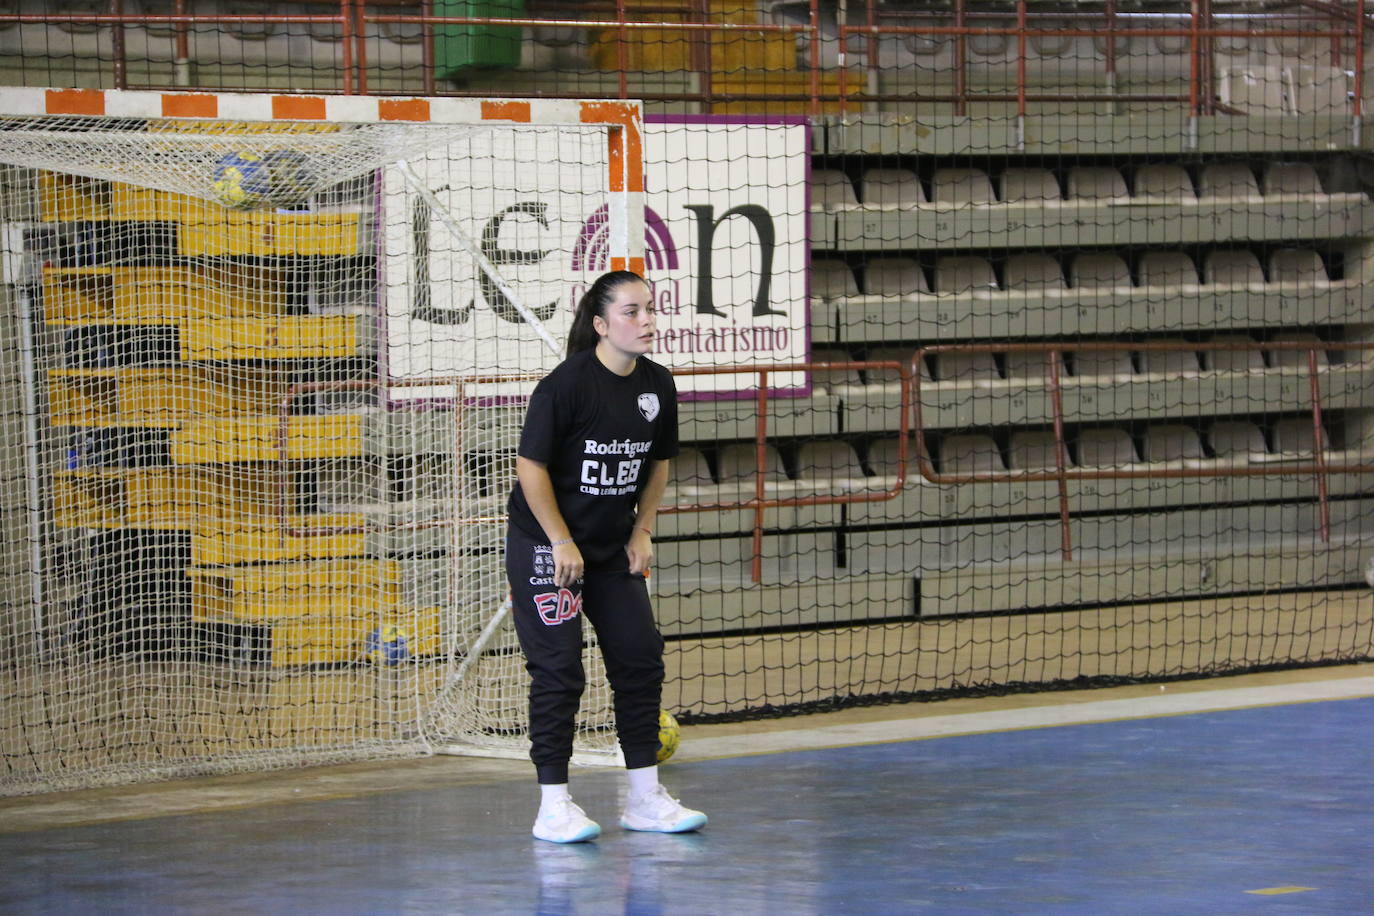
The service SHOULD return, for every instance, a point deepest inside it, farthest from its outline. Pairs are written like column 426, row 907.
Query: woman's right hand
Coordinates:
column 567, row 564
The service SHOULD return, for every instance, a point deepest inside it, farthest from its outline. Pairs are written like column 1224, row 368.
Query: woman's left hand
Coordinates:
column 641, row 552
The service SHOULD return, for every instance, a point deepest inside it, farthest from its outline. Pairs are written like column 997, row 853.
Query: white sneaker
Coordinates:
column 659, row 812
column 562, row 821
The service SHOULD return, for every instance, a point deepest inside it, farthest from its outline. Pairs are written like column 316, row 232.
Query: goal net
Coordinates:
column 270, row 362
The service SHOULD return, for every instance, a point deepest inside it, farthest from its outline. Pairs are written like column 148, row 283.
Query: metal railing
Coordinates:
column 1345, row 27
column 1318, row 467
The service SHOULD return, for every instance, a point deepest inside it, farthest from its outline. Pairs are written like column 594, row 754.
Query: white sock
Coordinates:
column 642, row 780
column 548, row 794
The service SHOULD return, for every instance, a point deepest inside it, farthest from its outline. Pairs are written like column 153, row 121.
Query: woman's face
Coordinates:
column 628, row 324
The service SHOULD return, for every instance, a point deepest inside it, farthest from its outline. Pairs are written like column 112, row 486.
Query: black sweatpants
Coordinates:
column 548, row 620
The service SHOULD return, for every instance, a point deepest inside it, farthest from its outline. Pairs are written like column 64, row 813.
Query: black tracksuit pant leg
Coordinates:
column 548, row 620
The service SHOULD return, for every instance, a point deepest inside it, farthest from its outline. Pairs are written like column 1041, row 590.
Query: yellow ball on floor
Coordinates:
column 669, row 735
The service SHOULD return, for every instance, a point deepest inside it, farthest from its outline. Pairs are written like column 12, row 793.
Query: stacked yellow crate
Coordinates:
column 223, row 410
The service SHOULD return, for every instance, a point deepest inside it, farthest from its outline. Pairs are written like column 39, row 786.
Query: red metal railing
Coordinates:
column 1344, row 27
column 463, row 386
column 1053, row 352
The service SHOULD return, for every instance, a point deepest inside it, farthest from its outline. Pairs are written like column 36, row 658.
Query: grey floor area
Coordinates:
column 1233, row 812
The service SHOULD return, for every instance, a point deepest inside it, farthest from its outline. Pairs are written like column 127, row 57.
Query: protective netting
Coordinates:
column 1124, row 249
column 256, row 462
column 241, row 165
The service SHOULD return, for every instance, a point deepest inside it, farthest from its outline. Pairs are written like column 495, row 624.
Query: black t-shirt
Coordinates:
column 598, row 434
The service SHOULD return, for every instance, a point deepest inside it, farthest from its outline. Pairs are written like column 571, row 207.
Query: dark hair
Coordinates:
column 582, row 336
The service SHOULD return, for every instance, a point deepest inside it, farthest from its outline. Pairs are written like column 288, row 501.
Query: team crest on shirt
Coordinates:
column 648, row 405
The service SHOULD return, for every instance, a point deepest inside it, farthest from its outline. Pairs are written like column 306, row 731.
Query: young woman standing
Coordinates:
column 592, row 466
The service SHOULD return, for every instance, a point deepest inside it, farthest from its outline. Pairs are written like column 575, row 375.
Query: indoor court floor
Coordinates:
column 1234, row 795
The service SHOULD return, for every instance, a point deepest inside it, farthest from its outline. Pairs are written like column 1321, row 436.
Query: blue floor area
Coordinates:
column 1190, row 814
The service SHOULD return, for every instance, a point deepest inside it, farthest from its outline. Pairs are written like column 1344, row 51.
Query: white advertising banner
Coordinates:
column 726, row 252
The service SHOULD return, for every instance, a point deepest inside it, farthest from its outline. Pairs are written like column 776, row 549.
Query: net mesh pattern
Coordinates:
column 265, row 451
column 1125, row 260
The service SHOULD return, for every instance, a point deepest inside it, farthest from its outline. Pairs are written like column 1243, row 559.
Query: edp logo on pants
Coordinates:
column 556, row 607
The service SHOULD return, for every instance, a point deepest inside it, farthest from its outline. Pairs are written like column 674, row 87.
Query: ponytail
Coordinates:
column 582, row 335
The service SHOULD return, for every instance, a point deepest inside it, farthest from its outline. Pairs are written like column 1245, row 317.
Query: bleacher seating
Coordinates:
column 1106, row 447
column 831, row 189
column 1296, row 359
column 1294, row 437
column 1102, row 183
column 690, row 477
column 1236, row 441
column 1233, row 360
column 882, row 187
column 1173, row 444
column 961, row 186
column 1099, row 269
column 835, row 381
column 961, row 274
column 1227, row 179
column 1169, row 363
column 1035, row 450
column 1232, row 267
column 832, row 278
column 1167, row 268
column 738, row 467
column 830, row 466
column 1164, row 181
column 1115, row 365
column 970, row 453
column 964, row 366
column 1299, row 178
column 1300, row 266
column 1031, row 185
column 894, row 277
column 1033, row 273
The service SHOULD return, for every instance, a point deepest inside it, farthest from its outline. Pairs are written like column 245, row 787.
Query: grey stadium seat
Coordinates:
column 1172, row 443
column 1164, row 182
column 830, row 465
column 1290, row 178
column 961, row 186
column 1106, row 447
column 1167, row 268
column 832, row 279
column 1237, row 441
column 1233, row 360
column 966, row 367
column 835, row 381
column 1034, row 450
column 1112, row 364
column 891, row 188
column 1096, row 183
column 970, row 453
column 1297, row 359
column 962, row 274
column 1297, row 265
column 1172, row 363
column 831, row 189
column 1228, row 179
column 894, row 277
column 1033, row 185
column 691, row 475
column 1032, row 273
column 1232, row 267
column 738, row 463
column 1099, row 269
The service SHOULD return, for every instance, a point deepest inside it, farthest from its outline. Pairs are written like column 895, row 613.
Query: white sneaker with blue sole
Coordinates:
column 562, row 821
column 658, row 812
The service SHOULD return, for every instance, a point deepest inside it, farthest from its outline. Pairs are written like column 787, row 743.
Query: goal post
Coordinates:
column 274, row 351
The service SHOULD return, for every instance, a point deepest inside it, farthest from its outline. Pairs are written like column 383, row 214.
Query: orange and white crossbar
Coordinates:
column 623, row 120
